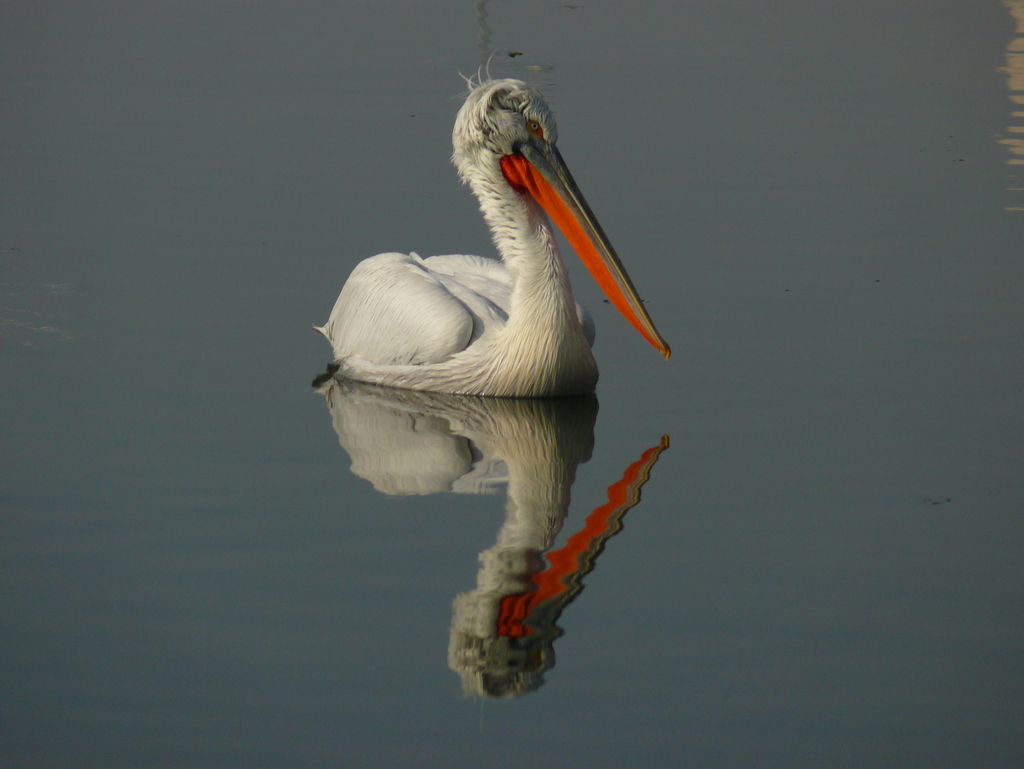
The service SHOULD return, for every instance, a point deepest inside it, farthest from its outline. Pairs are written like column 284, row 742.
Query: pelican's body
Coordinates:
column 472, row 325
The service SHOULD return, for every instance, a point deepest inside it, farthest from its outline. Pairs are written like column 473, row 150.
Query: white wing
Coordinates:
column 399, row 309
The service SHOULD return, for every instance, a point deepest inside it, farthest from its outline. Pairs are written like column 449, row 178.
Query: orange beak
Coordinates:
column 537, row 169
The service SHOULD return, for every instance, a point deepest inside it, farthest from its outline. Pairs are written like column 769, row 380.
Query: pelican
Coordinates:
column 479, row 326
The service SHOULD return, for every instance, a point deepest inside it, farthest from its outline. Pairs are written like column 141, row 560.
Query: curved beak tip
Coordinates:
column 667, row 352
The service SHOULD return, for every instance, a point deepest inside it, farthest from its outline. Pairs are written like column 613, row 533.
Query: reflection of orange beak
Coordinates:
column 538, row 169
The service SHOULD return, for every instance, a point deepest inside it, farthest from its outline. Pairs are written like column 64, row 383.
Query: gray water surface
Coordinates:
column 822, row 206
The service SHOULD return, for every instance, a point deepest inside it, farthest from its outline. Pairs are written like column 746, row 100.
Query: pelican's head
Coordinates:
column 504, row 141
column 499, row 115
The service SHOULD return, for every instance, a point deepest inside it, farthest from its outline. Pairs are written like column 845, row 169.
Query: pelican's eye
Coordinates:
column 535, row 129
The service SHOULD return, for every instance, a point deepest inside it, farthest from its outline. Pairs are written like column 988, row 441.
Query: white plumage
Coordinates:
column 473, row 325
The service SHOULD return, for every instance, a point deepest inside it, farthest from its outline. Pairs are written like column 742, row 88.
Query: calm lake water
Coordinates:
column 206, row 562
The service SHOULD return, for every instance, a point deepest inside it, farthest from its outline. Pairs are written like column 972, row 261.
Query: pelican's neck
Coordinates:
column 526, row 243
column 541, row 349
column 542, row 343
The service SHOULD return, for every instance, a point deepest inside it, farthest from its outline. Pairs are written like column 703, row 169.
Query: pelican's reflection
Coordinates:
column 406, row 442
